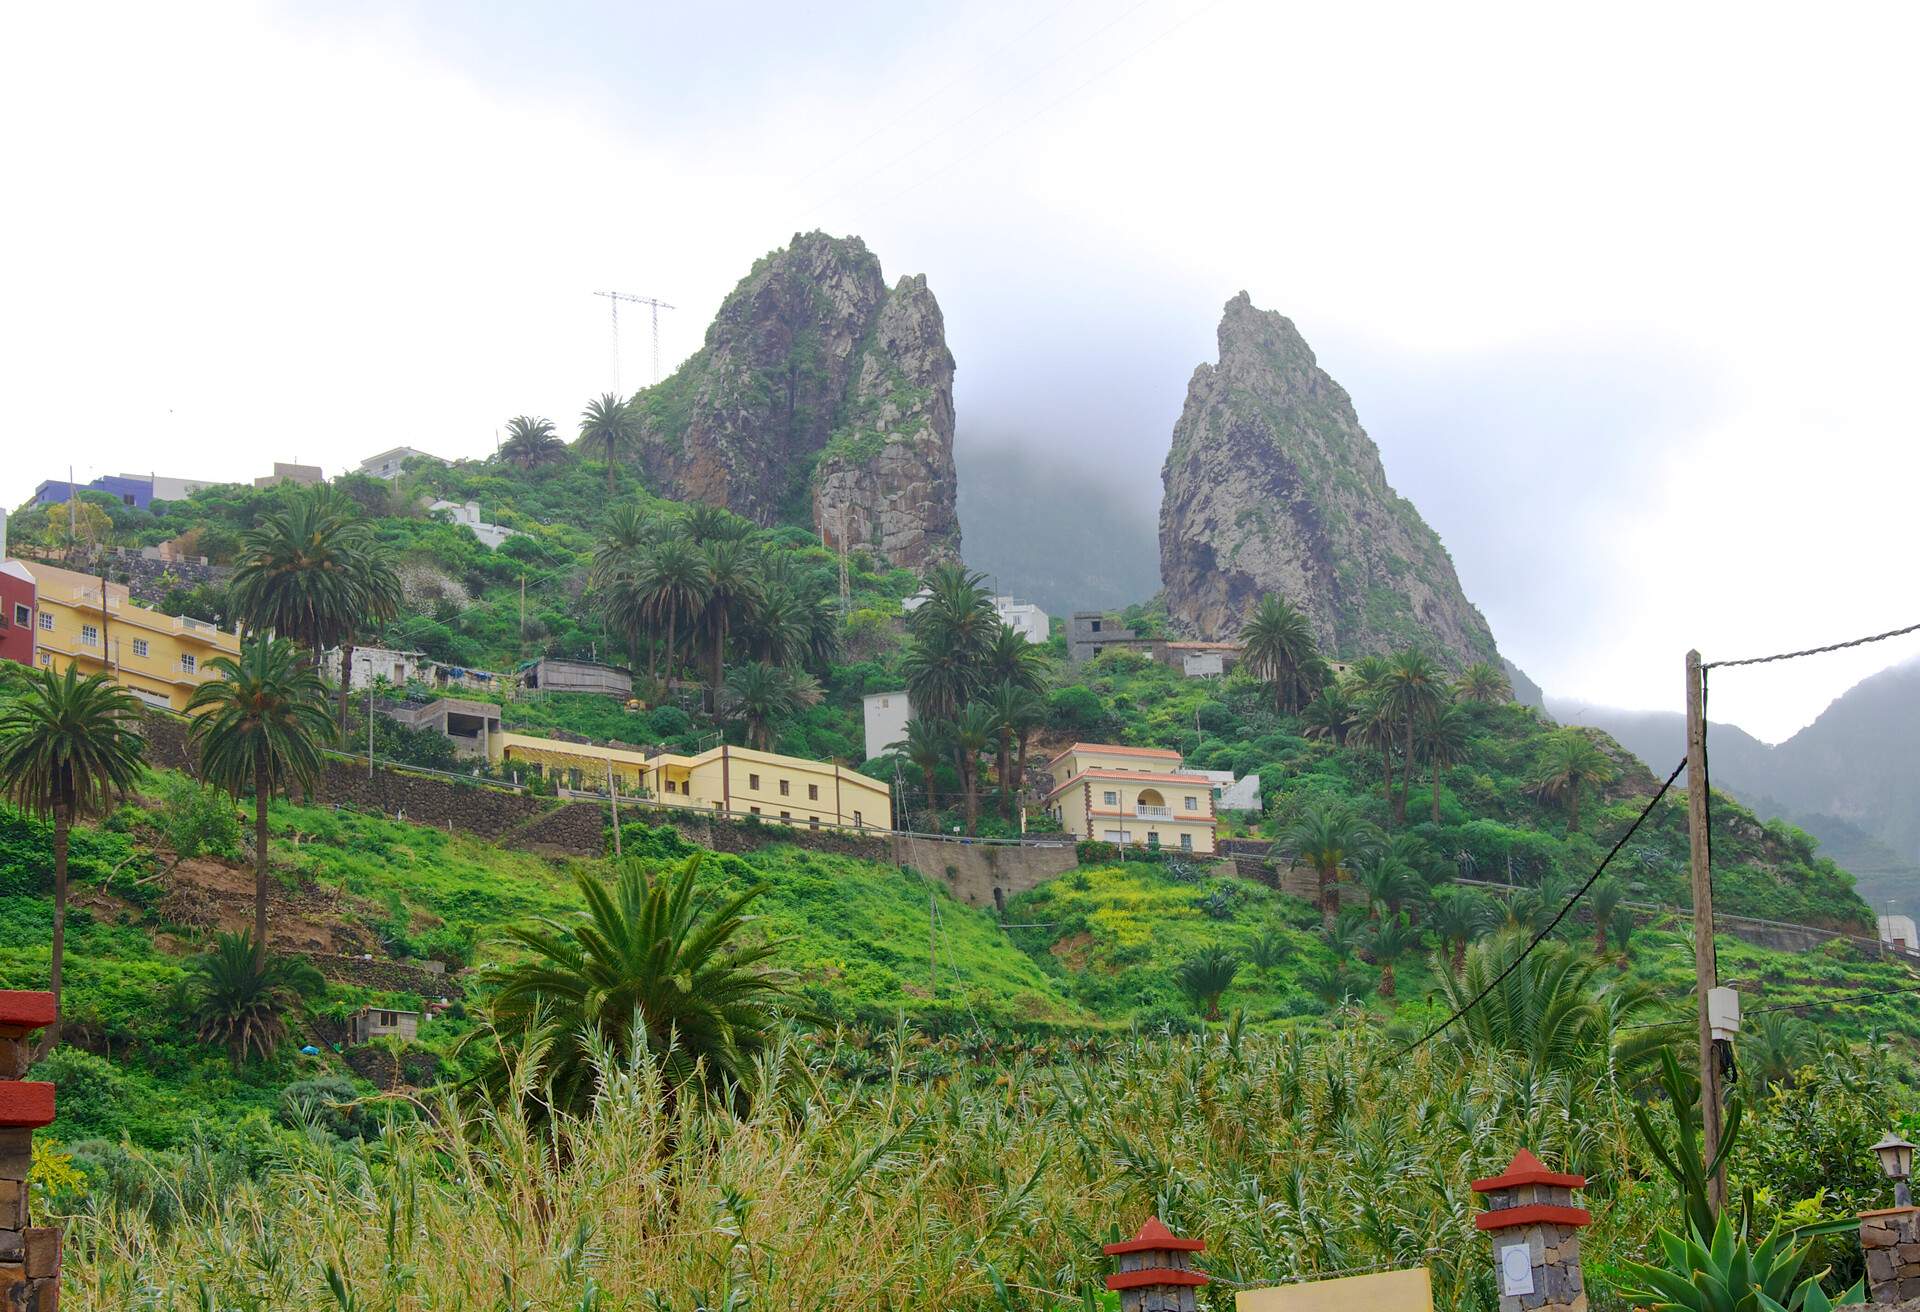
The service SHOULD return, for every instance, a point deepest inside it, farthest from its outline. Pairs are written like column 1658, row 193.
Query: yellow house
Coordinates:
column 1131, row 795
column 725, row 779
column 158, row 658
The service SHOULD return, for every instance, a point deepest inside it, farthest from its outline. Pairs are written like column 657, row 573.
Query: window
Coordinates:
column 756, row 810
column 189, row 663
column 786, row 815
column 1096, row 626
column 753, row 781
column 857, row 820
column 1110, row 798
column 885, row 703
column 813, row 822
column 784, row 787
column 1186, row 842
column 389, row 1019
column 23, row 615
column 139, row 646
column 46, row 658
column 46, row 621
column 89, row 636
column 813, row 792
column 1193, row 803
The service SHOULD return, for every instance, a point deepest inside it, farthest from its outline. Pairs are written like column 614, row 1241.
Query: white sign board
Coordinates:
column 1516, row 1269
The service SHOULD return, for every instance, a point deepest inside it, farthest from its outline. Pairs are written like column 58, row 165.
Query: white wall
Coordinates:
column 1024, row 618
column 886, row 714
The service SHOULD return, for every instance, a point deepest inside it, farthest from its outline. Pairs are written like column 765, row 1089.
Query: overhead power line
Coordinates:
column 1815, row 651
column 1552, row 925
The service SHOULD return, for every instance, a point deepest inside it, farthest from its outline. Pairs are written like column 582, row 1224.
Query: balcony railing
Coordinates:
column 1153, row 812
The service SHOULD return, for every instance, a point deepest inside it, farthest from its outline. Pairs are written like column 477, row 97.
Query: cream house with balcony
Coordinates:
column 158, row 658
column 1137, row 796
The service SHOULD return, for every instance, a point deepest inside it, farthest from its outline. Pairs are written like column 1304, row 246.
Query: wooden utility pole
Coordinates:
column 613, row 803
column 1704, row 979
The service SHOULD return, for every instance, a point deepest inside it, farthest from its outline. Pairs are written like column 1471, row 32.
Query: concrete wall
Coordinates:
column 974, row 872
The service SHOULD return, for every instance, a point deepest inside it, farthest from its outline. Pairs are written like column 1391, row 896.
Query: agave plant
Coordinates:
column 1729, row 1273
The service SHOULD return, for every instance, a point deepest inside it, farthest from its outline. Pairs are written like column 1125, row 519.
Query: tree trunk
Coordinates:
column 1386, row 771
column 673, row 616
column 1386, row 979
column 716, row 662
column 1329, row 898
column 62, row 827
column 1436, row 790
column 346, row 684
column 1573, row 809
column 610, row 492
column 933, row 806
column 1000, row 770
column 969, row 786
column 260, row 864
column 1406, row 775
column 1459, row 954
column 1599, row 937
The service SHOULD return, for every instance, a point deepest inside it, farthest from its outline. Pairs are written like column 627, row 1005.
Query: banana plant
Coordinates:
column 1728, row 1273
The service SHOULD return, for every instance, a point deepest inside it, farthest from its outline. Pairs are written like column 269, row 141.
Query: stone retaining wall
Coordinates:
column 386, row 974
column 979, row 874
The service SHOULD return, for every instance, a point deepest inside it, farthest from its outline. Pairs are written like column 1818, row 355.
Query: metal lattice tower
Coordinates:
column 654, row 306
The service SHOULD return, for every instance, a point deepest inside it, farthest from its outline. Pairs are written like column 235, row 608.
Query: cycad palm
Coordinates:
column 613, row 426
column 651, row 959
column 1392, row 939
column 531, row 443
column 1280, row 651
column 1568, row 765
column 68, row 748
column 1327, row 838
column 259, row 726
column 1458, row 916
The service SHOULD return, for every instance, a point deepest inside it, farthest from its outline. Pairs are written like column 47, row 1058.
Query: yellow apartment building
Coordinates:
column 732, row 780
column 1132, row 795
column 158, row 658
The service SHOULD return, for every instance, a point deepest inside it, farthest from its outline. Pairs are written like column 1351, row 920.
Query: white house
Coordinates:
column 1898, row 932
column 389, row 464
column 887, row 714
column 1024, row 618
column 1230, row 794
column 371, row 663
column 491, row 535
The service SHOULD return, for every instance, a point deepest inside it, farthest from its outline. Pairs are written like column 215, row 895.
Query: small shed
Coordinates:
column 370, row 1023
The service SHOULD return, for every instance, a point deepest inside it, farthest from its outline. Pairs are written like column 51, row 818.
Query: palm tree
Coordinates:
column 1011, row 659
column 1443, row 740
column 1457, row 917
column 68, row 748
column 1603, row 899
column 647, row 962
column 1410, row 694
column 380, row 598
column 1776, row 1048
column 1327, row 837
column 973, row 731
column 763, row 697
column 1391, row 940
column 259, row 726
column 1280, row 651
column 672, row 586
column 707, row 524
column 1550, row 1011
column 1017, row 711
column 1482, row 682
column 1371, row 725
column 240, row 994
column 1387, row 879
column 629, row 532
column 300, row 573
column 1327, row 715
column 531, row 443
column 927, row 747
column 611, row 424
column 1569, row 763
column 953, row 639
column 1206, row 977
column 778, row 629
column 733, row 590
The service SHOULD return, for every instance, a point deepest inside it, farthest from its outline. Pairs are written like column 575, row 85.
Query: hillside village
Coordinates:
column 406, row 791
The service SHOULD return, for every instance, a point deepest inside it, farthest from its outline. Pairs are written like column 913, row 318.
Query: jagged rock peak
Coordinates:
column 1273, row 487
column 819, row 392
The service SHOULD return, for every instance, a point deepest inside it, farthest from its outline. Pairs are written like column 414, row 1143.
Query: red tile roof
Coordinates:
column 1525, row 1168
column 1153, row 1236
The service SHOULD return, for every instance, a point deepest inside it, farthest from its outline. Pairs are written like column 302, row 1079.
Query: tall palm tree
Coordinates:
column 1603, row 899
column 1410, row 693
column 380, row 597
column 1569, row 763
column 1391, row 940
column 611, row 424
column 68, row 748
column 259, row 726
column 1371, row 725
column 300, row 572
column 973, row 731
column 531, row 443
column 1024, row 711
column 629, row 532
column 646, row 961
column 1387, row 878
column 1458, row 916
column 673, row 583
column 926, row 746
column 1483, row 682
column 953, row 634
column 1444, row 736
column 706, row 524
column 763, row 697
column 1327, row 837
column 1011, row 659
column 733, row 590
column 1280, row 651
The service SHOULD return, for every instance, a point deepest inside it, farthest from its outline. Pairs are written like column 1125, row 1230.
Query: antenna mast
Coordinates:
column 654, row 306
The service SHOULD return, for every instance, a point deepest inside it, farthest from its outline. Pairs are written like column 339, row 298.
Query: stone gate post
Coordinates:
column 1536, row 1236
column 29, row 1254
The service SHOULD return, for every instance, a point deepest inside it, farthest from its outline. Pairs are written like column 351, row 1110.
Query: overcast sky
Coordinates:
column 1625, row 295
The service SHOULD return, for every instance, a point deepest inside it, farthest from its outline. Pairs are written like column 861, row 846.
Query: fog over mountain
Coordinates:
column 1851, row 778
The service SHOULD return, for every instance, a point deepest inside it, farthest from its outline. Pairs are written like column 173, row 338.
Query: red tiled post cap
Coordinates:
column 22, row 1009
column 1523, row 1171
column 1154, row 1235
column 1154, row 1258
column 25, row 1104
